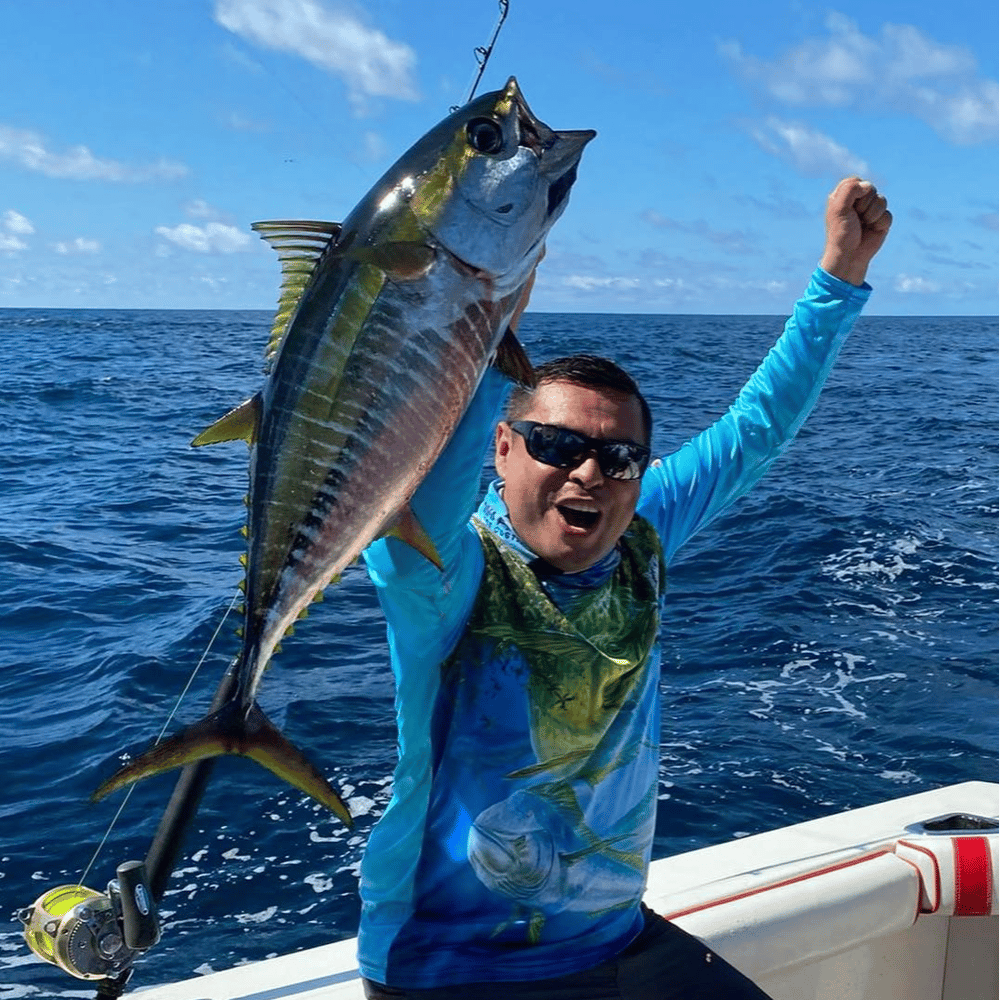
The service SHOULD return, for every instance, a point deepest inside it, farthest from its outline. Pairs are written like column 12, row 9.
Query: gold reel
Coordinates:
column 76, row 928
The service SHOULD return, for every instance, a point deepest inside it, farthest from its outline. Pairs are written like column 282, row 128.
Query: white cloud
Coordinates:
column 703, row 285
column 370, row 63
column 589, row 283
column 28, row 149
column 212, row 282
column 17, row 224
column 214, row 237
column 80, row 245
column 767, row 286
column 200, row 209
column 899, row 69
column 10, row 244
column 910, row 284
column 13, row 226
column 811, row 152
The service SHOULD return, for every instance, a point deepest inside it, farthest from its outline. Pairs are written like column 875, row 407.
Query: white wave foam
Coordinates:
column 319, row 883
column 874, row 557
column 900, row 777
column 255, row 918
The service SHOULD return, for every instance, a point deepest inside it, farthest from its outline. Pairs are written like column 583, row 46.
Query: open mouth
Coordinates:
column 577, row 517
column 559, row 188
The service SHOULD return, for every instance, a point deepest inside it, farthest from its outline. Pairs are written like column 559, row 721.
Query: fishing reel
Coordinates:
column 90, row 935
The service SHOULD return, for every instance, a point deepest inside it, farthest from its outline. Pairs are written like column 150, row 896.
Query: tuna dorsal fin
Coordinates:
column 299, row 244
column 408, row 529
column 240, row 422
column 511, row 359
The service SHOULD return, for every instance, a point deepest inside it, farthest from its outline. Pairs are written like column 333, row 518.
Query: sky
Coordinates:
column 138, row 141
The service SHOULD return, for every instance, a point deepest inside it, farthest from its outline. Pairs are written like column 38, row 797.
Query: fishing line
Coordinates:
column 166, row 725
column 483, row 53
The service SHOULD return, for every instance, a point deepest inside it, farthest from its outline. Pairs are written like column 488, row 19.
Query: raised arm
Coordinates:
column 691, row 487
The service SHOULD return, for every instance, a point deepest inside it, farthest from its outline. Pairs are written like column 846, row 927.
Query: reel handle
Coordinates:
column 140, row 921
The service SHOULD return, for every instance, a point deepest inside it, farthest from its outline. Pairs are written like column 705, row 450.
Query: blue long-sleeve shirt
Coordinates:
column 427, row 611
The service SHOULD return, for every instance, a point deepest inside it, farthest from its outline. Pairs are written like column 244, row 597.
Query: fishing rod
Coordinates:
column 483, row 53
column 98, row 936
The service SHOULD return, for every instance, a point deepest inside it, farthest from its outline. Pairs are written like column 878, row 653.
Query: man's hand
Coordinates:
column 857, row 223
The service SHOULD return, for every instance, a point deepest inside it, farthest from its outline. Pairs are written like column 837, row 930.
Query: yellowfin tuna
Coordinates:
column 384, row 328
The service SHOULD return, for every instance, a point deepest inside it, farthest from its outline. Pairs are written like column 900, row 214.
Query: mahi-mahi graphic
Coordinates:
column 536, row 849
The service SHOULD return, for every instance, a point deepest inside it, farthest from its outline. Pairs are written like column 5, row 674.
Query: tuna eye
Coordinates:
column 484, row 135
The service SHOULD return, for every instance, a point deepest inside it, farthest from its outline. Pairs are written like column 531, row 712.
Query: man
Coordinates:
column 512, row 858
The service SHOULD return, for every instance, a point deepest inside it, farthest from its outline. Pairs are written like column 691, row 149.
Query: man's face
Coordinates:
column 573, row 517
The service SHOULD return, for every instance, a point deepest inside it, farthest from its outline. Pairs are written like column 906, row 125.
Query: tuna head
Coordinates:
column 509, row 177
column 486, row 184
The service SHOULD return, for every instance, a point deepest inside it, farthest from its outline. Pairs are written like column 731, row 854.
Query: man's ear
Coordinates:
column 502, row 448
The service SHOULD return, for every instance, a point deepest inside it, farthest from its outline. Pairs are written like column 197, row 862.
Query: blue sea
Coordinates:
column 831, row 642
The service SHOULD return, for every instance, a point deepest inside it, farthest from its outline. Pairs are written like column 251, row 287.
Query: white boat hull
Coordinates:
column 863, row 905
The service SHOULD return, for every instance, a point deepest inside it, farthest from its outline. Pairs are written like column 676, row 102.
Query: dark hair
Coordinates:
column 588, row 370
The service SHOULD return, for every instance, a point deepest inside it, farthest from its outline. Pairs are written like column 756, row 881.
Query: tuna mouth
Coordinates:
column 578, row 517
column 559, row 189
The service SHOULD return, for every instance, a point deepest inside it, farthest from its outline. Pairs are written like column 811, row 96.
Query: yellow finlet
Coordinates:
column 238, row 423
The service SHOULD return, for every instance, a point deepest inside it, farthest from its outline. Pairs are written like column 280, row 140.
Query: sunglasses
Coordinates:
column 566, row 449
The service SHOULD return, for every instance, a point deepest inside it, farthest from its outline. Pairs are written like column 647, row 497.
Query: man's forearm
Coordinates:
column 691, row 487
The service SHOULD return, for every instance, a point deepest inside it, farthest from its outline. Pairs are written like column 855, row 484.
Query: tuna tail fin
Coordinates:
column 238, row 731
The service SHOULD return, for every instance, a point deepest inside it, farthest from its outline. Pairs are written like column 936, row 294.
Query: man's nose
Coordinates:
column 588, row 472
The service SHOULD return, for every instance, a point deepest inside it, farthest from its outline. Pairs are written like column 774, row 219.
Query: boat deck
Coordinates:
column 863, row 905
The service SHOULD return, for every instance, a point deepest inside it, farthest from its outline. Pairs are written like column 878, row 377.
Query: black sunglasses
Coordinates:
column 565, row 449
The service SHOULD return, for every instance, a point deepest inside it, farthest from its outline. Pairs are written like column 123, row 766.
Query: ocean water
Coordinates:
column 829, row 643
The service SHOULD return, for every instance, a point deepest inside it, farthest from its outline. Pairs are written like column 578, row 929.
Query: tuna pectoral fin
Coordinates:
column 240, row 422
column 511, row 359
column 232, row 730
column 408, row 529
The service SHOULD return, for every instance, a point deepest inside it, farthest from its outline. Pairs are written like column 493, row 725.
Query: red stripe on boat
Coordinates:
column 973, row 876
